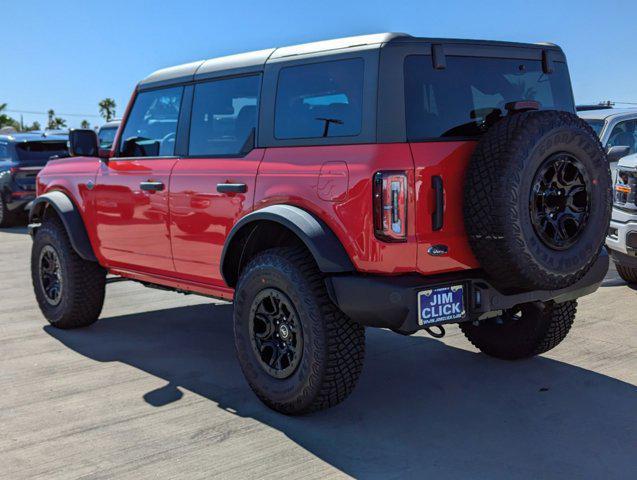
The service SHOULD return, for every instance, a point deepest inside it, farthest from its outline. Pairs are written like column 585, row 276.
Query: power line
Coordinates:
column 56, row 113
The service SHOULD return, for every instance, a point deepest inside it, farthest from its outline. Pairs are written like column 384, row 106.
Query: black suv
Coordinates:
column 22, row 156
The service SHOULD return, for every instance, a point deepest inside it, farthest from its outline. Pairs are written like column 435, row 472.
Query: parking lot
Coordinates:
column 153, row 390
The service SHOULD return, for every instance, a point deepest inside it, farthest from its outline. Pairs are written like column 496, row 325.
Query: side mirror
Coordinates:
column 615, row 153
column 83, row 142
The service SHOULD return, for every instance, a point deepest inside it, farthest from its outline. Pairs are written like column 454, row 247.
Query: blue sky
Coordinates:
column 67, row 55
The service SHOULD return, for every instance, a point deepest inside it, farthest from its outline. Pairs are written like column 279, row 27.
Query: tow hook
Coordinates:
column 439, row 334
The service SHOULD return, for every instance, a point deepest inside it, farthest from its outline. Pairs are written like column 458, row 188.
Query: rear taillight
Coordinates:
column 390, row 206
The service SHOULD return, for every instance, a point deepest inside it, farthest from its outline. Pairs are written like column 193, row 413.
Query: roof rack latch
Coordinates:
column 438, row 56
column 547, row 61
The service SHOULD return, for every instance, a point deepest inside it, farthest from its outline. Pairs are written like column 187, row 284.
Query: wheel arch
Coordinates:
column 68, row 212
column 277, row 225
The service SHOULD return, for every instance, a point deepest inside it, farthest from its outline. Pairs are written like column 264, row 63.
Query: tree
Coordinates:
column 107, row 109
column 34, row 126
column 50, row 124
column 6, row 120
column 53, row 122
column 85, row 124
column 58, row 123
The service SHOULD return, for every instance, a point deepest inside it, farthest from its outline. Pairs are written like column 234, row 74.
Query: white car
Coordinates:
column 622, row 233
column 617, row 130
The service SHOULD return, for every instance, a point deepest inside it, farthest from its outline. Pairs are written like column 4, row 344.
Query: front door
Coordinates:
column 131, row 191
column 214, row 185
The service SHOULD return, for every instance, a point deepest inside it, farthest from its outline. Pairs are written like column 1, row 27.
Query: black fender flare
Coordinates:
column 71, row 218
column 320, row 240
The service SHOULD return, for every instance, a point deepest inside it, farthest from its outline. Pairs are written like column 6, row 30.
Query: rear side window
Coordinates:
column 224, row 116
column 471, row 93
column 320, row 100
column 4, row 151
column 596, row 125
column 151, row 127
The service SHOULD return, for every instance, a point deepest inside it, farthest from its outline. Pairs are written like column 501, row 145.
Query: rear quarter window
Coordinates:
column 471, row 93
column 320, row 100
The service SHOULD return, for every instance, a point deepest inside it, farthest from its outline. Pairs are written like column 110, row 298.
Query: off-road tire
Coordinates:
column 333, row 345
column 84, row 282
column 7, row 218
column 628, row 274
column 539, row 328
column 497, row 209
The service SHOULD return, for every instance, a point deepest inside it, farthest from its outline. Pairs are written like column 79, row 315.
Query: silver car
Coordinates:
column 617, row 130
column 622, row 233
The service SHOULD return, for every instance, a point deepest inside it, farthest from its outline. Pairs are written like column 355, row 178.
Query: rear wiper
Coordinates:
column 328, row 122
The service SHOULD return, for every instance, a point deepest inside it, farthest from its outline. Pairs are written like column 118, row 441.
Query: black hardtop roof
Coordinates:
column 236, row 63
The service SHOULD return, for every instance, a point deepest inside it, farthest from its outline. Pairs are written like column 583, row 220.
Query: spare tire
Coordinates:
column 537, row 200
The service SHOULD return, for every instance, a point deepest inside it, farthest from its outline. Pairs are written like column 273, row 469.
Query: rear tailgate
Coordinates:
column 24, row 177
column 448, row 161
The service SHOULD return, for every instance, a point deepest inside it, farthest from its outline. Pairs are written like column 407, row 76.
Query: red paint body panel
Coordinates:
column 71, row 176
column 449, row 160
column 175, row 237
column 291, row 175
column 131, row 226
column 201, row 218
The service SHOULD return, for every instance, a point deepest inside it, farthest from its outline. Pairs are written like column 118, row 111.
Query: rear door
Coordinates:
column 213, row 186
column 131, row 191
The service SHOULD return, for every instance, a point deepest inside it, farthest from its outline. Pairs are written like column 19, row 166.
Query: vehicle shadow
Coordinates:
column 420, row 408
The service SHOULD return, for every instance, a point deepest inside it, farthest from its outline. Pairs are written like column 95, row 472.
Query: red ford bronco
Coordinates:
column 384, row 180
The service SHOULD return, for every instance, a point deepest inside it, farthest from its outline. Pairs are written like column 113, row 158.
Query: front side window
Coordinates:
column 151, row 127
column 624, row 135
column 320, row 100
column 471, row 93
column 224, row 116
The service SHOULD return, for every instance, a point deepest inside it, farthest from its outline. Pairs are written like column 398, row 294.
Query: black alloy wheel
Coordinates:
column 560, row 202
column 51, row 279
column 275, row 333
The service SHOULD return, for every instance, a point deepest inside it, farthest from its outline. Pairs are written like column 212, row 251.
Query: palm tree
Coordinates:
column 58, row 123
column 50, row 124
column 85, row 124
column 107, row 109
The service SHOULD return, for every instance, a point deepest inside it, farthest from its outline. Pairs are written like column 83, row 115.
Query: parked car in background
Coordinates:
column 622, row 234
column 106, row 134
column 382, row 180
column 22, row 156
column 617, row 130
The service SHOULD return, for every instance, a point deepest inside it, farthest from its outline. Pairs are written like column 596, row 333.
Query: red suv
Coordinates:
column 383, row 180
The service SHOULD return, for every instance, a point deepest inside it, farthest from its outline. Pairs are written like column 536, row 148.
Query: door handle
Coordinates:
column 232, row 187
column 151, row 186
column 439, row 203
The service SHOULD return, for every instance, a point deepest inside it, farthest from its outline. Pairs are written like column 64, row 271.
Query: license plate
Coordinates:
column 441, row 304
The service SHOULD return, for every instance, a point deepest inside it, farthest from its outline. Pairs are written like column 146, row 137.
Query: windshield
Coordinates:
column 107, row 137
column 471, row 93
column 38, row 153
column 596, row 125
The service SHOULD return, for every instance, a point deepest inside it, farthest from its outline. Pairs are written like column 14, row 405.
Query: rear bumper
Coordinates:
column 19, row 200
column 391, row 302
